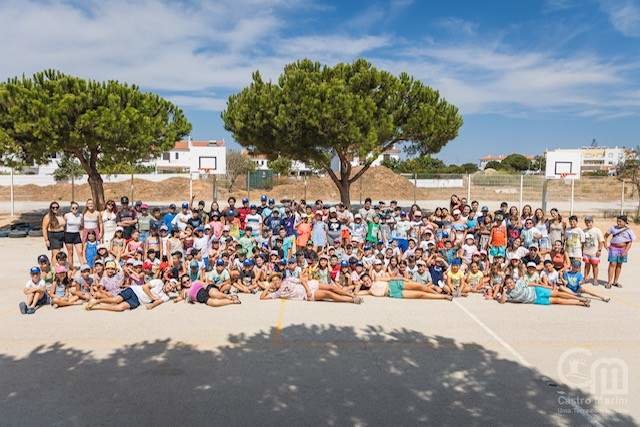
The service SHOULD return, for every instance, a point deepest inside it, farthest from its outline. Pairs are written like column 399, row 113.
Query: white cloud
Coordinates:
column 624, row 15
column 458, row 26
column 557, row 5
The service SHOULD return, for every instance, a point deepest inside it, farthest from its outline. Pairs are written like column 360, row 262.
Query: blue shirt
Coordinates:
column 573, row 279
column 167, row 219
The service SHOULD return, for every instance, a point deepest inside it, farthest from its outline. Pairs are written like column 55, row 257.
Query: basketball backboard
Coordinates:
column 563, row 164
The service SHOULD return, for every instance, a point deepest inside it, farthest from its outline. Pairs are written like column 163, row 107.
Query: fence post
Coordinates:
column 131, row 188
column 622, row 199
column 190, row 186
column 73, row 188
column 214, row 188
column 521, row 185
column 415, row 187
column 12, row 199
column 545, row 183
column 469, row 188
column 249, row 185
column 305, row 186
column 573, row 181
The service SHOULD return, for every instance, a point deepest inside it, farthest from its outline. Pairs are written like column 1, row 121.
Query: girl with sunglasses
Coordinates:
column 53, row 225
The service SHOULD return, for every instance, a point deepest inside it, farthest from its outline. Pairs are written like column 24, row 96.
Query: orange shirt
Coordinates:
column 498, row 236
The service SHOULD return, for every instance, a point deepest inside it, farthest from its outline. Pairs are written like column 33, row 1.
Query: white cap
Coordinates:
column 377, row 261
column 531, row 264
column 332, row 210
column 456, row 212
column 470, row 236
column 356, row 216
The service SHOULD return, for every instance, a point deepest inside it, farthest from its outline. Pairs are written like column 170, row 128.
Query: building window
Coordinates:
column 177, row 156
column 166, row 156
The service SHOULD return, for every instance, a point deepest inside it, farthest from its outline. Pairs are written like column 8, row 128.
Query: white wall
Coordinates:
column 43, row 180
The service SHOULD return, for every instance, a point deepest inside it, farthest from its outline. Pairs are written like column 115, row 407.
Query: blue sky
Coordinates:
column 527, row 75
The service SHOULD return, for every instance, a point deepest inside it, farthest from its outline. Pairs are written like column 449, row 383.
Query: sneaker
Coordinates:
column 23, row 307
column 31, row 310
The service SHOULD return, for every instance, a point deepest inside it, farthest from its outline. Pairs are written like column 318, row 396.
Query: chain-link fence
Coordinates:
column 603, row 196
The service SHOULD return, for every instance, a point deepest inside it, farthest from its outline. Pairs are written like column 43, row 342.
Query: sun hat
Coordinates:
column 531, row 264
column 469, row 236
column 118, row 228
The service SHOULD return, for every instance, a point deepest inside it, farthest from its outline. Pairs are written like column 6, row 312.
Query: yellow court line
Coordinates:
column 280, row 318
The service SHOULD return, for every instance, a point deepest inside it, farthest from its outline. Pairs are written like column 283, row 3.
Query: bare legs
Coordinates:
column 614, row 273
column 218, row 299
column 414, row 290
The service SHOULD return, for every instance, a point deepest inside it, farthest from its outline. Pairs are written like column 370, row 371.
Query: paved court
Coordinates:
column 386, row 362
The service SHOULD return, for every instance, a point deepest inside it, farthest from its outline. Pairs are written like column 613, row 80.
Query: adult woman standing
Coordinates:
column 72, row 239
column 92, row 220
column 108, row 219
column 53, row 229
column 621, row 239
column 556, row 226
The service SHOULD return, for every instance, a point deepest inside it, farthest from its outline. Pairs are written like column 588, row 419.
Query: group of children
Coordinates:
column 320, row 253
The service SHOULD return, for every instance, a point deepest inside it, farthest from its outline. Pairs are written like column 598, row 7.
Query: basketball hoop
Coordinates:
column 567, row 176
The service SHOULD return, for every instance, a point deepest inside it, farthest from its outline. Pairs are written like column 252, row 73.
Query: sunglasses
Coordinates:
column 74, row 208
column 55, row 207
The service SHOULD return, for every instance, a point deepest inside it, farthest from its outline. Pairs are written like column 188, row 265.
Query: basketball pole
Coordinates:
column 544, row 194
column 573, row 181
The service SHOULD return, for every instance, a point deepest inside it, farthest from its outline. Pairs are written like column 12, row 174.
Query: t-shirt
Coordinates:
column 218, row 278
column 573, row 243
column 521, row 293
column 573, row 279
column 255, row 222
column 113, row 284
column 592, row 239
column 437, row 275
column 552, row 277
column 456, row 278
column 155, row 286
column 622, row 235
column 423, row 278
column 39, row 285
column 85, row 285
column 290, row 289
column 475, row 278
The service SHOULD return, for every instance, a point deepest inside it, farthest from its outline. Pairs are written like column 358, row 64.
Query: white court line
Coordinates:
column 592, row 418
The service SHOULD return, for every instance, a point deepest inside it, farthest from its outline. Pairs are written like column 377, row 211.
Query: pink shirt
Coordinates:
column 193, row 290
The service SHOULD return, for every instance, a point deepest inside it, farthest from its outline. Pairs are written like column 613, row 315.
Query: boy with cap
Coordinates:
column 35, row 291
column 82, row 283
column 219, row 276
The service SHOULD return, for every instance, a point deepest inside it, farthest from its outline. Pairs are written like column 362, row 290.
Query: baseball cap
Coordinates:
column 245, row 200
column 421, row 262
column 207, row 227
column 111, row 264
column 172, row 206
column 247, row 262
column 469, row 236
column 35, row 270
column 291, row 261
column 484, row 209
column 357, row 216
column 193, row 264
column 43, row 259
column 531, row 264
column 124, row 200
column 226, row 228
column 164, row 227
column 219, row 261
column 344, row 263
column 271, row 201
column 456, row 212
column 199, row 228
column 98, row 261
column 131, row 261
column 575, row 263
column 263, row 198
column 85, row 267
column 403, row 213
column 185, row 205
column 456, row 261
column 332, row 210
column 588, row 218
column 377, row 261
column 118, row 228
column 533, row 245
column 144, row 206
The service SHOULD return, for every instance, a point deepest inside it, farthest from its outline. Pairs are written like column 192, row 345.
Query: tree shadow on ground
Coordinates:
column 301, row 375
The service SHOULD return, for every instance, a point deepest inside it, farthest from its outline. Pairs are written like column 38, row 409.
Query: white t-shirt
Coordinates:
column 156, row 289
column 552, row 278
column 592, row 239
column 30, row 285
column 73, row 222
column 180, row 220
column 202, row 244
column 573, row 243
column 255, row 222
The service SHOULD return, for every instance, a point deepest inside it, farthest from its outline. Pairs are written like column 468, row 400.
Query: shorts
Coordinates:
column 395, row 288
column 591, row 260
column 495, row 251
column 616, row 255
column 543, row 296
column 56, row 239
column 130, row 298
column 72, row 238
column 544, row 243
column 313, row 286
column 203, row 295
column 44, row 300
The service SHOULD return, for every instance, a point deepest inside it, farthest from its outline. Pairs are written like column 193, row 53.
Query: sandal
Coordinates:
column 606, row 299
column 607, row 286
column 357, row 300
column 587, row 303
column 617, row 285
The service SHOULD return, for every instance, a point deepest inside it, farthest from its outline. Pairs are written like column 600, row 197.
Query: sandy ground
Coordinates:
column 385, row 362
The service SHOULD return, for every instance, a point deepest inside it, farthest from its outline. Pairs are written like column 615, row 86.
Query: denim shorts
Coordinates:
column 130, row 298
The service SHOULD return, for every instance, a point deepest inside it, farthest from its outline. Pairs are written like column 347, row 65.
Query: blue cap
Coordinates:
column 199, row 228
column 271, row 201
column 247, row 262
column 367, row 247
column 380, row 242
column 456, row 261
column 245, row 200
column 35, row 270
column 403, row 213
column 292, row 261
column 263, row 198
column 344, row 263
column 253, row 207
column 359, row 264
column 219, row 261
column 185, row 205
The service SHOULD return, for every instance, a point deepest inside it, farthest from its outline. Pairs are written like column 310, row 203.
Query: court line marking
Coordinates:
column 592, row 418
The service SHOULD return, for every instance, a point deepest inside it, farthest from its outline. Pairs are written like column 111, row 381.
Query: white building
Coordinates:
column 262, row 163
column 392, row 153
column 194, row 156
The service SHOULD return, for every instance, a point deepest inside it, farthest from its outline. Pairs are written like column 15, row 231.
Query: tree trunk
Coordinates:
column 97, row 189
column 345, row 196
